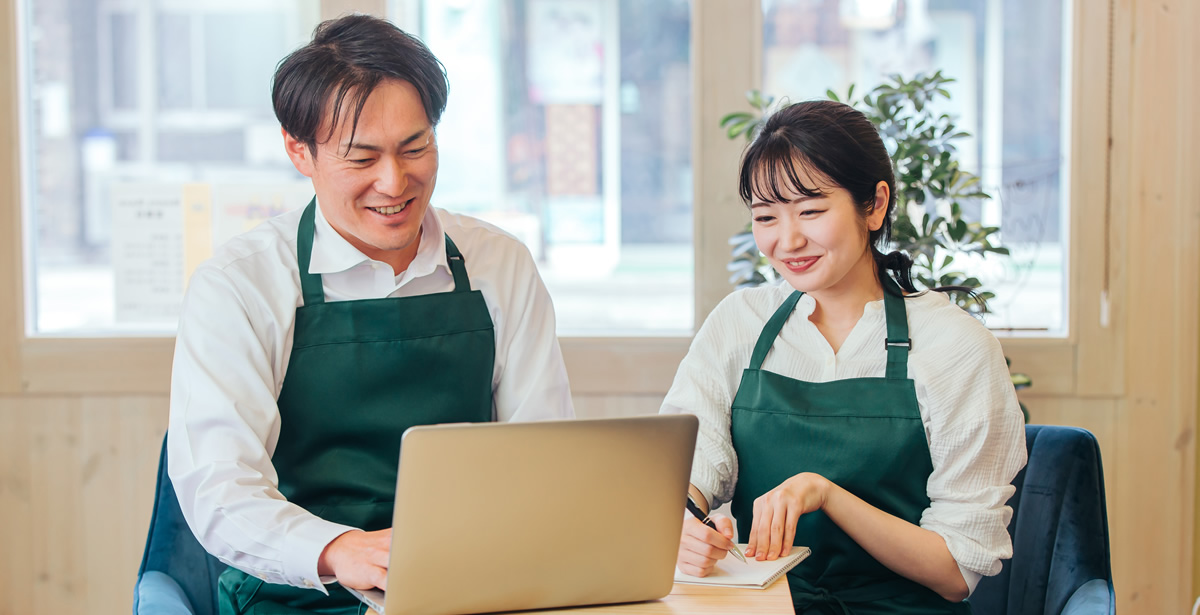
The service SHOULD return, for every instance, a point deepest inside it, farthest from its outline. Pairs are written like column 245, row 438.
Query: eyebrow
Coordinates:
column 377, row 148
column 800, row 199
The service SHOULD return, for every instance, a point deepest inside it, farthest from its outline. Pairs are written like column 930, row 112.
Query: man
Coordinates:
column 308, row 345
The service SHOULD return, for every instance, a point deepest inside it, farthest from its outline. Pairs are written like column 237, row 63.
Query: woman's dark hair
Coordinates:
column 828, row 140
column 349, row 57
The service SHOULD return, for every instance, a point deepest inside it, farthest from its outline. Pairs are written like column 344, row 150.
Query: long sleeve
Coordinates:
column 976, row 441
column 224, row 423
column 530, row 381
column 969, row 410
column 231, row 355
column 705, row 384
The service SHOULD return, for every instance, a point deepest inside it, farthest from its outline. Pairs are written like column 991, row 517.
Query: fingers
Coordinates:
column 700, row 548
column 379, row 577
column 779, row 516
column 789, row 531
column 701, row 539
column 724, row 525
column 752, row 538
column 764, row 516
column 693, row 563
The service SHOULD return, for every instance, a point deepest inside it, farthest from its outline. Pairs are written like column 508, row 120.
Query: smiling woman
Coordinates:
column 892, row 461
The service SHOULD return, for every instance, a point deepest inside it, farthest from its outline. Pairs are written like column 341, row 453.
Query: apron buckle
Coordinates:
column 905, row 343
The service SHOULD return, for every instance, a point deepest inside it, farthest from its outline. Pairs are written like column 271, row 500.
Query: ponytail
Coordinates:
column 897, row 262
column 900, row 267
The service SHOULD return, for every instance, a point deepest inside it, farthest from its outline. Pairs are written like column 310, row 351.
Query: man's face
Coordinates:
column 374, row 189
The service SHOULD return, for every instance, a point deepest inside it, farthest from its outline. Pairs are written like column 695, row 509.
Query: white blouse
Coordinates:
column 973, row 423
column 232, row 351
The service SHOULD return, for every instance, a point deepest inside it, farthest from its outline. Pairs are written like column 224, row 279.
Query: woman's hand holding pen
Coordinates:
column 777, row 511
column 701, row 547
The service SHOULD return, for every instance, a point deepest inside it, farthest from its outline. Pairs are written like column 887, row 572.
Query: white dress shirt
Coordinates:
column 232, row 351
column 969, row 409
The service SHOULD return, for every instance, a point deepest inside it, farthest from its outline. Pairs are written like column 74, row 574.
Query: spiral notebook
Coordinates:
column 753, row 574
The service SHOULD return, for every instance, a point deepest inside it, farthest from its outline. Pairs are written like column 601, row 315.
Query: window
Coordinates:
column 1010, row 93
column 152, row 139
column 568, row 125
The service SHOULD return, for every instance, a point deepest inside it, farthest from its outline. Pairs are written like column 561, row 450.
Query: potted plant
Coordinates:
column 930, row 189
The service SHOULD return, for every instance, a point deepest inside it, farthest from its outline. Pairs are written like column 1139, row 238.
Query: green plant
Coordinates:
column 930, row 185
column 747, row 266
column 931, row 189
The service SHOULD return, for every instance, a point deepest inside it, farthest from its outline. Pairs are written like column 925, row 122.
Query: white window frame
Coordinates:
column 726, row 57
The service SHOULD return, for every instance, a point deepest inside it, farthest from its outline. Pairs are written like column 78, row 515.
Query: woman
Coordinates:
column 840, row 409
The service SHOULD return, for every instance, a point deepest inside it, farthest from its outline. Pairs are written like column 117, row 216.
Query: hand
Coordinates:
column 777, row 511
column 700, row 548
column 358, row 559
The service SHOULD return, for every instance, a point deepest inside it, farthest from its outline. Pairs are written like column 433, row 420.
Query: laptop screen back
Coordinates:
column 508, row 516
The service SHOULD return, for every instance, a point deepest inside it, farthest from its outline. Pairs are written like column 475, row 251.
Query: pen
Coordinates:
column 699, row 514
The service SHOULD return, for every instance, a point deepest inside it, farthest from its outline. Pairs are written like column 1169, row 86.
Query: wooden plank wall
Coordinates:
column 77, row 479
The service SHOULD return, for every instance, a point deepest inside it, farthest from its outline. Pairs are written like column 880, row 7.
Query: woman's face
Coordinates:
column 818, row 244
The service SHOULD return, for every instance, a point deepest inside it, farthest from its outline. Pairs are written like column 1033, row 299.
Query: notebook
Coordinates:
column 754, row 574
column 513, row 516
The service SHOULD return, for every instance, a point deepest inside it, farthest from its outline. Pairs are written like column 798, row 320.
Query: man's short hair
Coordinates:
column 346, row 60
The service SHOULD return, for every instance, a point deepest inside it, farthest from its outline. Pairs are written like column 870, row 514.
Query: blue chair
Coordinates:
column 1061, row 563
column 177, row 575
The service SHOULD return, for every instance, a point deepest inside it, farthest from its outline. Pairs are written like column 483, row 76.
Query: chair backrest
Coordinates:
column 1059, row 528
column 172, row 549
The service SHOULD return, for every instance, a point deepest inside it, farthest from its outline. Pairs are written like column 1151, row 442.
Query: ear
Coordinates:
column 301, row 156
column 879, row 209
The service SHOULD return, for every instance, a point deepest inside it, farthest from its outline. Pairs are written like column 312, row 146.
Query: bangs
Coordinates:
column 772, row 173
column 354, row 90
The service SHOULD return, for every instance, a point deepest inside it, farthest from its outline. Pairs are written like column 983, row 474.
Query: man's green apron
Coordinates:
column 360, row 373
column 865, row 435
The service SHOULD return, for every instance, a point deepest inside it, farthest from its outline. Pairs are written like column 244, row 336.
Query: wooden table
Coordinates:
column 700, row 600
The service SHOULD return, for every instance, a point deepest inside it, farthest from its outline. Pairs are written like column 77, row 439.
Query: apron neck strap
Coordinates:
column 310, row 283
column 458, row 267
column 771, row 331
column 898, row 343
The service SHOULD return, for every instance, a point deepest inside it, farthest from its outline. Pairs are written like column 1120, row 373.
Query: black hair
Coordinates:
column 349, row 57
column 828, row 140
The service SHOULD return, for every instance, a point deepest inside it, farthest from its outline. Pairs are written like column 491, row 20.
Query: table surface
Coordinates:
column 774, row 600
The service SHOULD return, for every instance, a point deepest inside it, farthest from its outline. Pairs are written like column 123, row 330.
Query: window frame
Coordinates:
column 726, row 61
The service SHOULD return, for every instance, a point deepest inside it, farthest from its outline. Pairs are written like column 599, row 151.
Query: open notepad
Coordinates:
column 730, row 572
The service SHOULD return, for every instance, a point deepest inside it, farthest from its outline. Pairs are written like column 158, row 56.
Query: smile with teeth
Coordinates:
column 387, row 211
column 800, row 264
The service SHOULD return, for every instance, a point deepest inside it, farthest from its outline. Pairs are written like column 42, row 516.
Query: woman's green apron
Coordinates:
column 360, row 373
column 865, row 435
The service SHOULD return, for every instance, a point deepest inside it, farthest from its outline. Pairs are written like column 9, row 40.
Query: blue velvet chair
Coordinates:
column 177, row 575
column 1061, row 562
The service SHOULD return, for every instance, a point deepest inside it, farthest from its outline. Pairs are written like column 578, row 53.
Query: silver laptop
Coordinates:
column 513, row 516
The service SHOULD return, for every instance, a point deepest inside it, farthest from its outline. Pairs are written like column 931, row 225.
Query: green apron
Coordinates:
column 865, row 435
column 360, row 373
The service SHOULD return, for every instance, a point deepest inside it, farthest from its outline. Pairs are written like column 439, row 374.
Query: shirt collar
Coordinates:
column 807, row 305
column 331, row 253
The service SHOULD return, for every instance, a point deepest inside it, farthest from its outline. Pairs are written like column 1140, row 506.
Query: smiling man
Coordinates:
column 308, row 345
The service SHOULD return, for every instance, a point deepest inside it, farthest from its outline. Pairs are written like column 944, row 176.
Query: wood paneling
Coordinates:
column 11, row 310
column 76, row 491
column 726, row 63
column 615, row 406
column 1156, row 450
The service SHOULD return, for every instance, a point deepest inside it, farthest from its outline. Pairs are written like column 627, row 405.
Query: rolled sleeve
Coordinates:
column 977, row 445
